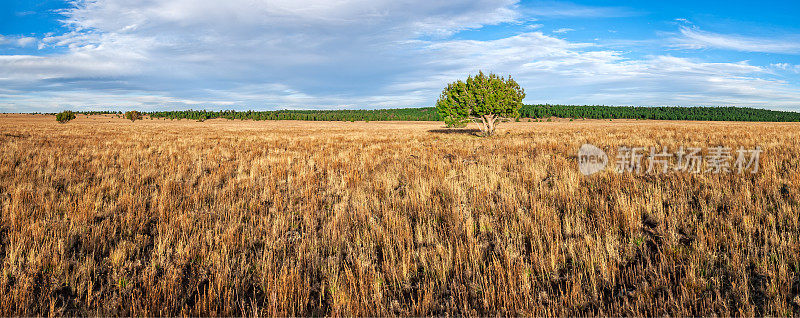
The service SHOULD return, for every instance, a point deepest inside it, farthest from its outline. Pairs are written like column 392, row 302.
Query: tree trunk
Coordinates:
column 489, row 124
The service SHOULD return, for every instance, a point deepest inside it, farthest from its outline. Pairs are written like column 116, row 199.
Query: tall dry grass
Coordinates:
column 101, row 216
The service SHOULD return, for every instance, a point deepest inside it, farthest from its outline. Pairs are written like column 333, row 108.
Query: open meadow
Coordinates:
column 102, row 216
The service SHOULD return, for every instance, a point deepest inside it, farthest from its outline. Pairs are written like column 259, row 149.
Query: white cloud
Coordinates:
column 357, row 53
column 19, row 41
column 26, row 41
column 794, row 68
column 693, row 38
column 557, row 71
column 566, row 9
column 194, row 49
column 562, row 30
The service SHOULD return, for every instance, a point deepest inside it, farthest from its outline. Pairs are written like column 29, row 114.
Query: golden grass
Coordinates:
column 102, row 216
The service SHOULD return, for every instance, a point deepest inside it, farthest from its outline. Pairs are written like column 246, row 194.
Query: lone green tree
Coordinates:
column 65, row 116
column 484, row 99
column 133, row 115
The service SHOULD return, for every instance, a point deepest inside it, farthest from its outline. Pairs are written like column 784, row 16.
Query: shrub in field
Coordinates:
column 484, row 99
column 65, row 116
column 133, row 115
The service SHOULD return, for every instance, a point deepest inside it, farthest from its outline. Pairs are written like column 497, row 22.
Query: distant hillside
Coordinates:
column 527, row 111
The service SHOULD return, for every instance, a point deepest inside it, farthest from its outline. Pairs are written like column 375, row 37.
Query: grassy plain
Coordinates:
column 101, row 216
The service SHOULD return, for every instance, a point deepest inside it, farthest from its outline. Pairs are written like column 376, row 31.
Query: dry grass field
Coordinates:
column 101, row 216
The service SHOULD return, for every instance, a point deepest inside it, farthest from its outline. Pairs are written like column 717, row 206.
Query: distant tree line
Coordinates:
column 101, row 112
column 658, row 113
column 527, row 111
column 85, row 112
column 403, row 114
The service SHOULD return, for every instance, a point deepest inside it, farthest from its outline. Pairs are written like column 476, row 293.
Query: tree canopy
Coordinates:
column 485, row 99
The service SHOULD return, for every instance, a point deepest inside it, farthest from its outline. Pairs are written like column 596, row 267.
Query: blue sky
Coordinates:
column 288, row 54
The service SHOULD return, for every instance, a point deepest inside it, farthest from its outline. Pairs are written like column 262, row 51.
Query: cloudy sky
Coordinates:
column 332, row 54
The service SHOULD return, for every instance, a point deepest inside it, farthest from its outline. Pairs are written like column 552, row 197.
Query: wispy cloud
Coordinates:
column 562, row 30
column 787, row 67
column 18, row 41
column 324, row 52
column 348, row 54
column 558, row 71
column 566, row 9
column 694, row 38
